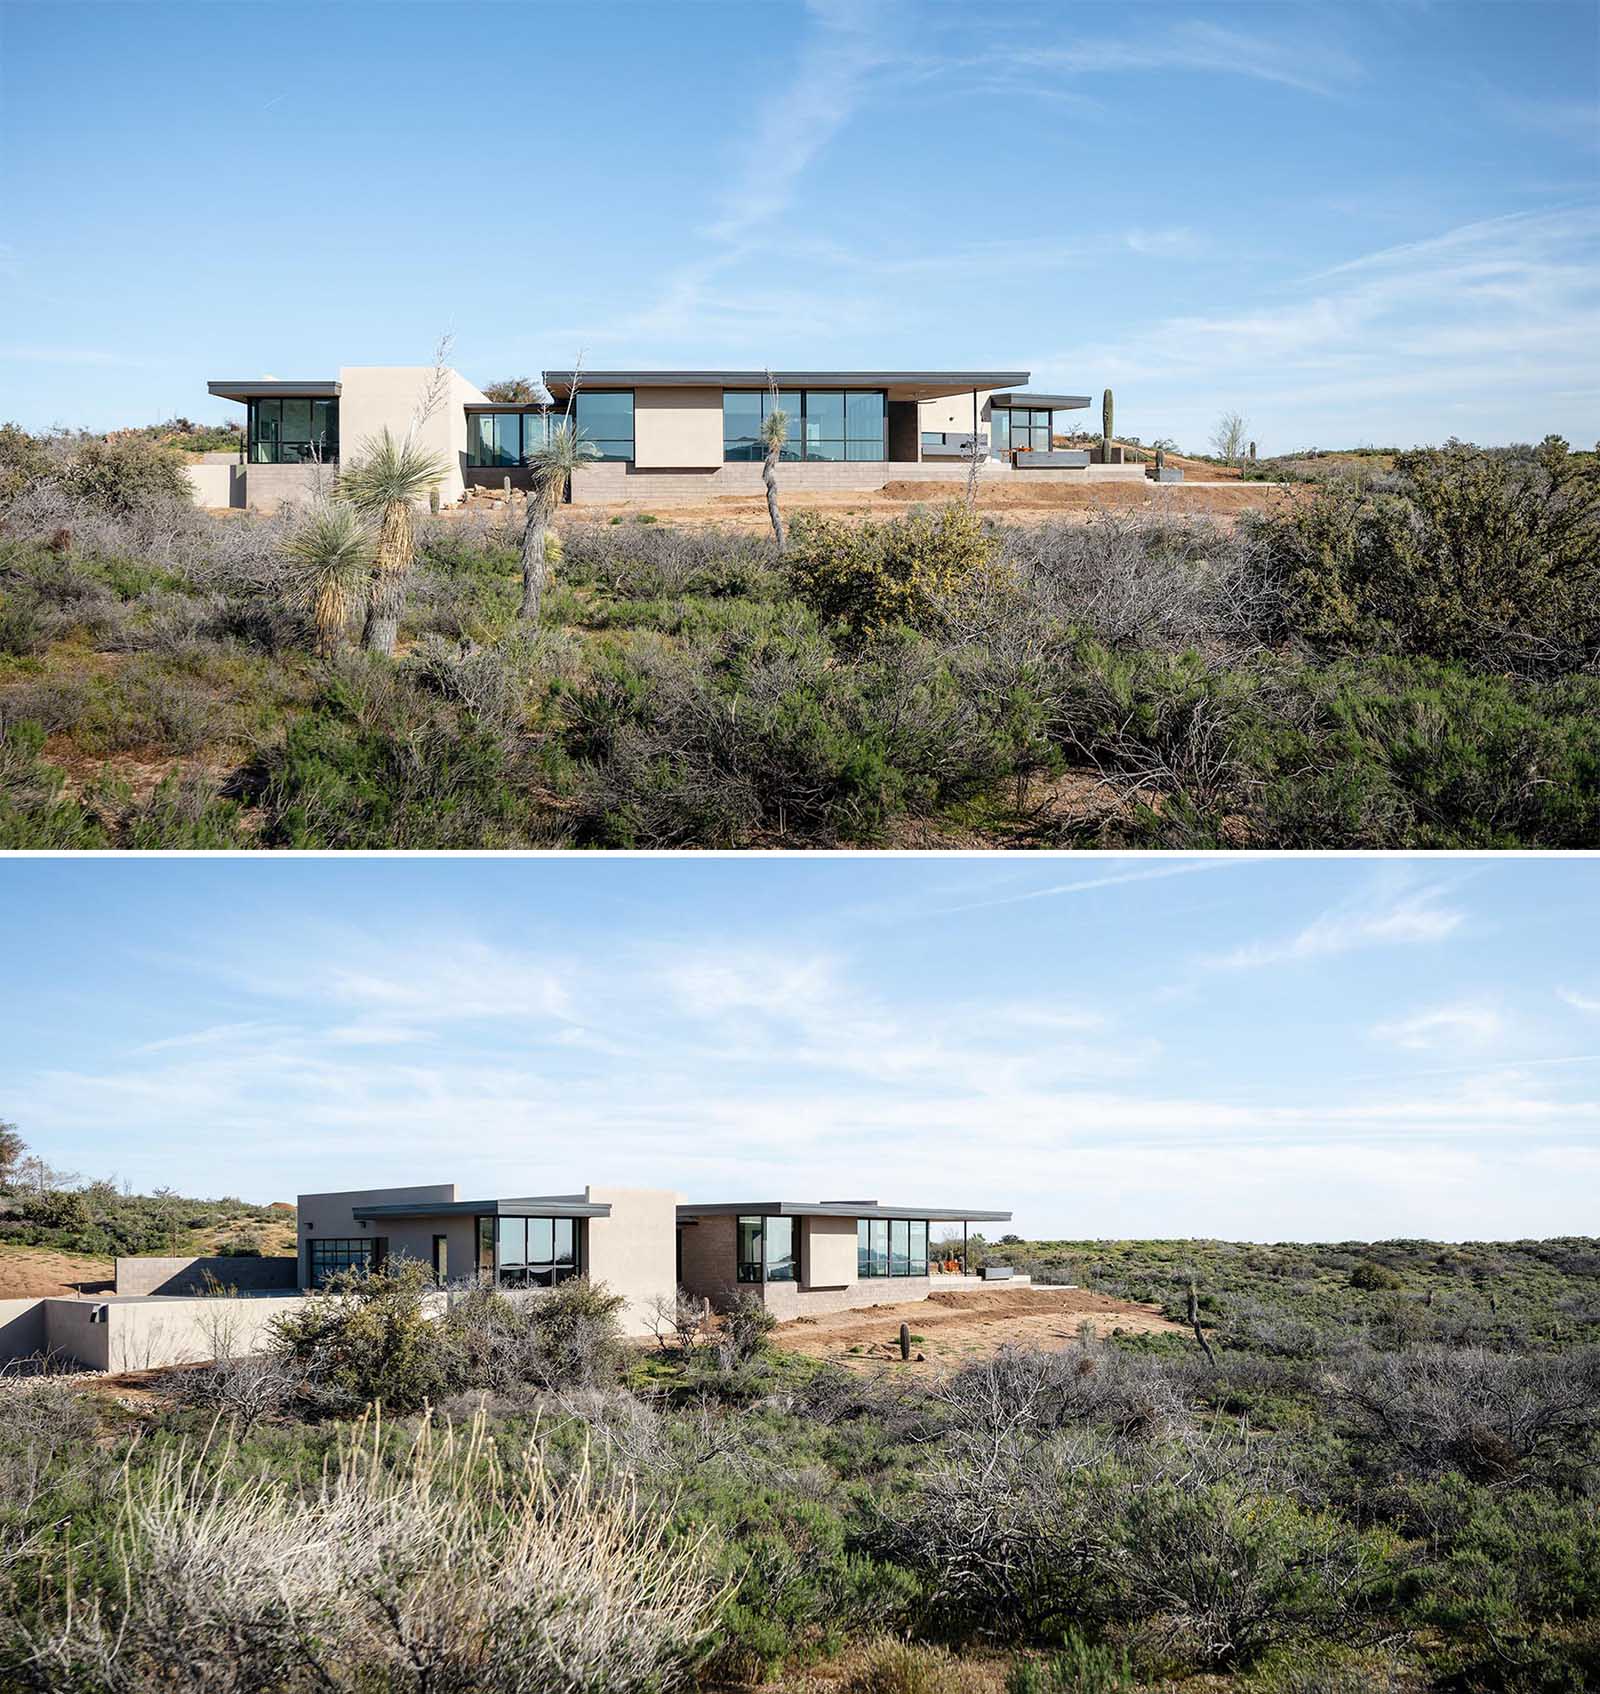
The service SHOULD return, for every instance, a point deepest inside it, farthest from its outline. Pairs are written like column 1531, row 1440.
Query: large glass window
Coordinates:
column 824, row 424
column 1028, row 428
column 332, row 1254
column 781, row 1263
column 891, row 1247
column 605, row 417
column 535, row 1252
column 751, row 1264
column 293, row 431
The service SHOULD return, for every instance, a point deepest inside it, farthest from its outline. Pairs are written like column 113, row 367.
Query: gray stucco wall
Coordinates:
column 206, row 1275
column 21, row 1329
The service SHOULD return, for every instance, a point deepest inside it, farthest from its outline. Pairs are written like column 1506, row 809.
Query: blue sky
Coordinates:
column 1353, row 224
column 1256, row 1049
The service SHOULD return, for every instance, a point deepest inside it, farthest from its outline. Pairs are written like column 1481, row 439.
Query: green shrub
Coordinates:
column 1081, row 1667
column 1474, row 557
column 23, row 457
column 123, row 474
column 902, row 1667
column 34, row 813
column 1370, row 1277
column 871, row 576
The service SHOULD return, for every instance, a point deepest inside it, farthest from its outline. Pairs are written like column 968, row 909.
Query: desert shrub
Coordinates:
column 242, row 1391
column 370, row 1338
column 903, row 1667
column 628, row 562
column 23, row 458
column 1494, row 1417
column 1411, row 753
column 871, row 576
column 746, row 1323
column 373, row 764
column 122, row 473
column 147, row 704
column 1472, row 557
column 565, row 1337
column 1370, row 1277
column 1081, row 1667
column 443, row 1568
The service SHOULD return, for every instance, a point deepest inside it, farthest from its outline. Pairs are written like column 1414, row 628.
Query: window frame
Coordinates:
column 565, row 1244
column 530, row 439
column 328, row 437
column 743, row 450
column 881, row 1241
column 329, row 1255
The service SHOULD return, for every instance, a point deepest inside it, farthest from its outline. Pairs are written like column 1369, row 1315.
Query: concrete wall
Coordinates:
column 216, row 485
column 677, row 428
column 21, row 1329
column 377, row 397
column 145, row 1334
column 634, row 1251
column 954, row 413
column 205, row 1275
column 330, row 1217
column 76, row 1328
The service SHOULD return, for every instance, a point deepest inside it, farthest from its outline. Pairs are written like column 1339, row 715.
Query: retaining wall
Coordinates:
column 200, row 1276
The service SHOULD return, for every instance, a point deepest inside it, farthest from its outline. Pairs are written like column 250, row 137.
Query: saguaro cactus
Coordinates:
column 1252, row 452
column 1106, row 418
column 905, row 1341
column 1161, row 462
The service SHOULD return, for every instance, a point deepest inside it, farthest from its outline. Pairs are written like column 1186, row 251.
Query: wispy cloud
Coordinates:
column 1403, row 920
column 1443, row 1026
column 1579, row 1002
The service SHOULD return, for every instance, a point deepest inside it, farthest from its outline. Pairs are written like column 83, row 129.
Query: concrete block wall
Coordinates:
column 21, row 1329
column 200, row 1276
column 710, row 1259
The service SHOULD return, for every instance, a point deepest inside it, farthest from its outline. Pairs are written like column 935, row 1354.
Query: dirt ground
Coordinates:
column 1041, row 503
column 949, row 1329
column 27, row 1271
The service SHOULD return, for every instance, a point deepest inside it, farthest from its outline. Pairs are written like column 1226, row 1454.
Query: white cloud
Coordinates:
column 1444, row 1026
column 1579, row 1002
column 1405, row 920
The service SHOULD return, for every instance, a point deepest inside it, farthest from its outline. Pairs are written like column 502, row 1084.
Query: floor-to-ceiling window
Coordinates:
column 767, row 1250
column 605, row 418
column 1021, row 429
column 505, row 440
column 535, row 1252
column 293, row 432
column 891, row 1247
column 825, row 424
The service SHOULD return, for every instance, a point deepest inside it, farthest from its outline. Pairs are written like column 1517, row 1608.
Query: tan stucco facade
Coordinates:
column 677, row 428
column 634, row 1251
column 331, row 1216
column 373, row 398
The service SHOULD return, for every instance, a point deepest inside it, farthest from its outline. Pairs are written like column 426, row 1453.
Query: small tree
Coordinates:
column 12, row 1147
column 514, row 391
column 331, row 557
column 774, row 435
column 1228, row 437
column 562, row 452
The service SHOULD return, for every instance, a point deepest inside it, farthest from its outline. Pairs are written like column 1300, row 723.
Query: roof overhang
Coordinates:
column 266, row 388
column 835, row 1209
column 533, row 1206
column 1056, row 402
column 900, row 385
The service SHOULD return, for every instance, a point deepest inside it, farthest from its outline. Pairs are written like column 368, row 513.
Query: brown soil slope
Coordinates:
column 28, row 1271
column 953, row 1328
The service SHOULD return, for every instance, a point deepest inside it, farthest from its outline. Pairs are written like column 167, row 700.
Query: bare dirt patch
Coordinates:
column 29, row 1271
column 949, row 1329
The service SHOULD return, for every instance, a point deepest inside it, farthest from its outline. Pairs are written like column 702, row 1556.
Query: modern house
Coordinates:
column 661, row 436
column 806, row 1257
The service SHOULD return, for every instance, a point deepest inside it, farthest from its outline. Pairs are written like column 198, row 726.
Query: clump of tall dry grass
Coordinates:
column 448, row 1567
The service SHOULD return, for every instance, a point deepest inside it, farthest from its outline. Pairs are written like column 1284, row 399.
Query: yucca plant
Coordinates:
column 562, row 452
column 330, row 553
column 385, row 481
column 774, row 434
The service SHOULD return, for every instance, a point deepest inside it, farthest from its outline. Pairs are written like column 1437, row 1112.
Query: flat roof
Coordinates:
column 922, row 385
column 532, row 1205
column 270, row 388
column 835, row 1209
column 1056, row 402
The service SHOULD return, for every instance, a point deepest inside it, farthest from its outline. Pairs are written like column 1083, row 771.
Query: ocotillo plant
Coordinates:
column 1106, row 417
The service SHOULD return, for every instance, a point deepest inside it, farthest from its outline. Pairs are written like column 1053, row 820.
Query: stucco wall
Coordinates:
column 144, row 1334
column 21, row 1329
column 377, row 397
column 70, row 1328
column 954, row 412
column 214, row 485
column 677, row 428
column 330, row 1216
column 201, row 1276
column 634, row 1251
column 828, row 1252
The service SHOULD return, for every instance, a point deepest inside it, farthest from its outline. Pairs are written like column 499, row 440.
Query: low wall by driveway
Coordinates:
column 201, row 1276
column 143, row 1332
